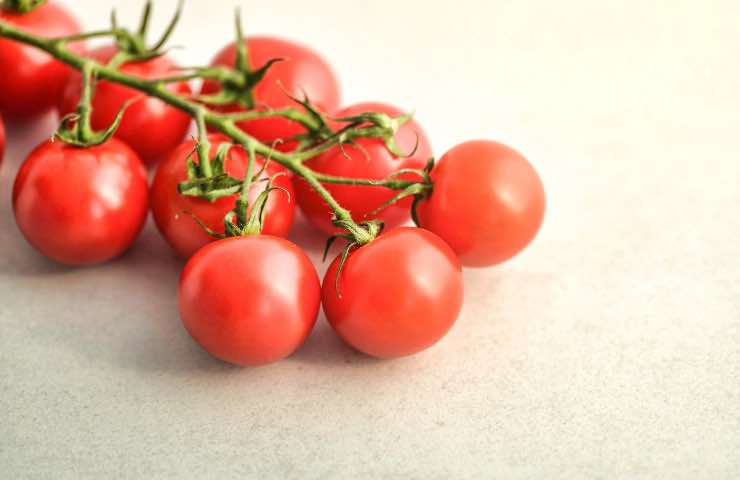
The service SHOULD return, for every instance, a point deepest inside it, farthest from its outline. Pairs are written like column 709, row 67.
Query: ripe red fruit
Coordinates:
column 249, row 300
column 398, row 295
column 487, row 203
column 31, row 81
column 81, row 206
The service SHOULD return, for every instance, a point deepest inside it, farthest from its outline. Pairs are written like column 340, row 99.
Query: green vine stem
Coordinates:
column 84, row 109
column 226, row 122
column 76, row 128
column 21, row 6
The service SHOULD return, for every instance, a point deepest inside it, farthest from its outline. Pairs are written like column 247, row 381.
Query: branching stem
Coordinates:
column 225, row 123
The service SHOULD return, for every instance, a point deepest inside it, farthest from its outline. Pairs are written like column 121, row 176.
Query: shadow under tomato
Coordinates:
column 122, row 313
column 324, row 347
column 312, row 241
column 21, row 137
column 17, row 257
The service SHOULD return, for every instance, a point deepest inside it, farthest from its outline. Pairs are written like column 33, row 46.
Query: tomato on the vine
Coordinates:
column 173, row 212
column 365, row 158
column 249, row 300
column 487, row 202
column 81, row 206
column 31, row 80
column 149, row 126
column 397, row 295
column 302, row 70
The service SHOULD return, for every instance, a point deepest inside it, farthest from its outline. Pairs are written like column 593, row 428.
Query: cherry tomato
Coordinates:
column 2, row 140
column 31, row 80
column 302, row 70
column 398, row 295
column 487, row 202
column 149, row 126
column 81, row 206
column 249, row 300
column 366, row 158
column 181, row 230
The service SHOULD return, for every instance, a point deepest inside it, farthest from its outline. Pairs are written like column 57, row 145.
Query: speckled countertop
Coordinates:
column 610, row 349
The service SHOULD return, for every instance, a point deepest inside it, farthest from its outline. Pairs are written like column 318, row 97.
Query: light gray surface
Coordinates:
column 611, row 349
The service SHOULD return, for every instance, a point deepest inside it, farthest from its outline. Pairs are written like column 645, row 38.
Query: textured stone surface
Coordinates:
column 611, row 349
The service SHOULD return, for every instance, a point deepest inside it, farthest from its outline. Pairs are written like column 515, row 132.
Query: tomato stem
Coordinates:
column 84, row 108
column 243, row 202
column 204, row 145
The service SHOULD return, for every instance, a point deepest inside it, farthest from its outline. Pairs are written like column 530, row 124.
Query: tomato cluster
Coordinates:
column 253, row 297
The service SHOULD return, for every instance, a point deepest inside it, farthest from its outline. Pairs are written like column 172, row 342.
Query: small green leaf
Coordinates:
column 210, row 188
column 192, row 167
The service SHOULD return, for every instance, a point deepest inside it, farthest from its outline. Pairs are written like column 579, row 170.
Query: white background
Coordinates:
column 610, row 349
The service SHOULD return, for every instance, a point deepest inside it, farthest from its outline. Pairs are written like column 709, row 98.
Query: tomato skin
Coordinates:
column 81, row 206
column 181, row 230
column 400, row 294
column 31, row 80
column 2, row 140
column 249, row 300
column 302, row 70
column 487, row 202
column 149, row 126
column 368, row 159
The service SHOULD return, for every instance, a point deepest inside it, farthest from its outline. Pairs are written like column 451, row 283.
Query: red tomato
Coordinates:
column 2, row 140
column 81, row 206
column 31, row 80
column 400, row 293
column 302, row 70
column 182, row 231
column 249, row 300
column 149, row 126
column 368, row 158
column 487, row 203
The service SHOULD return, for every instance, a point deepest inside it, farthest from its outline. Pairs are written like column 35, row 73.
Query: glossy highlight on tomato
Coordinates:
column 173, row 212
column 487, row 202
column 81, row 206
column 149, row 126
column 398, row 295
column 365, row 158
column 249, row 300
column 31, row 80
column 302, row 71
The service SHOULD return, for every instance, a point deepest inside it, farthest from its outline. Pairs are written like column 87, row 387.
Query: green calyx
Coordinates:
column 419, row 190
column 378, row 125
column 237, row 84
column 132, row 46
column 249, row 220
column 75, row 128
column 218, row 183
column 245, row 218
column 359, row 234
column 21, row 6
column 317, row 130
